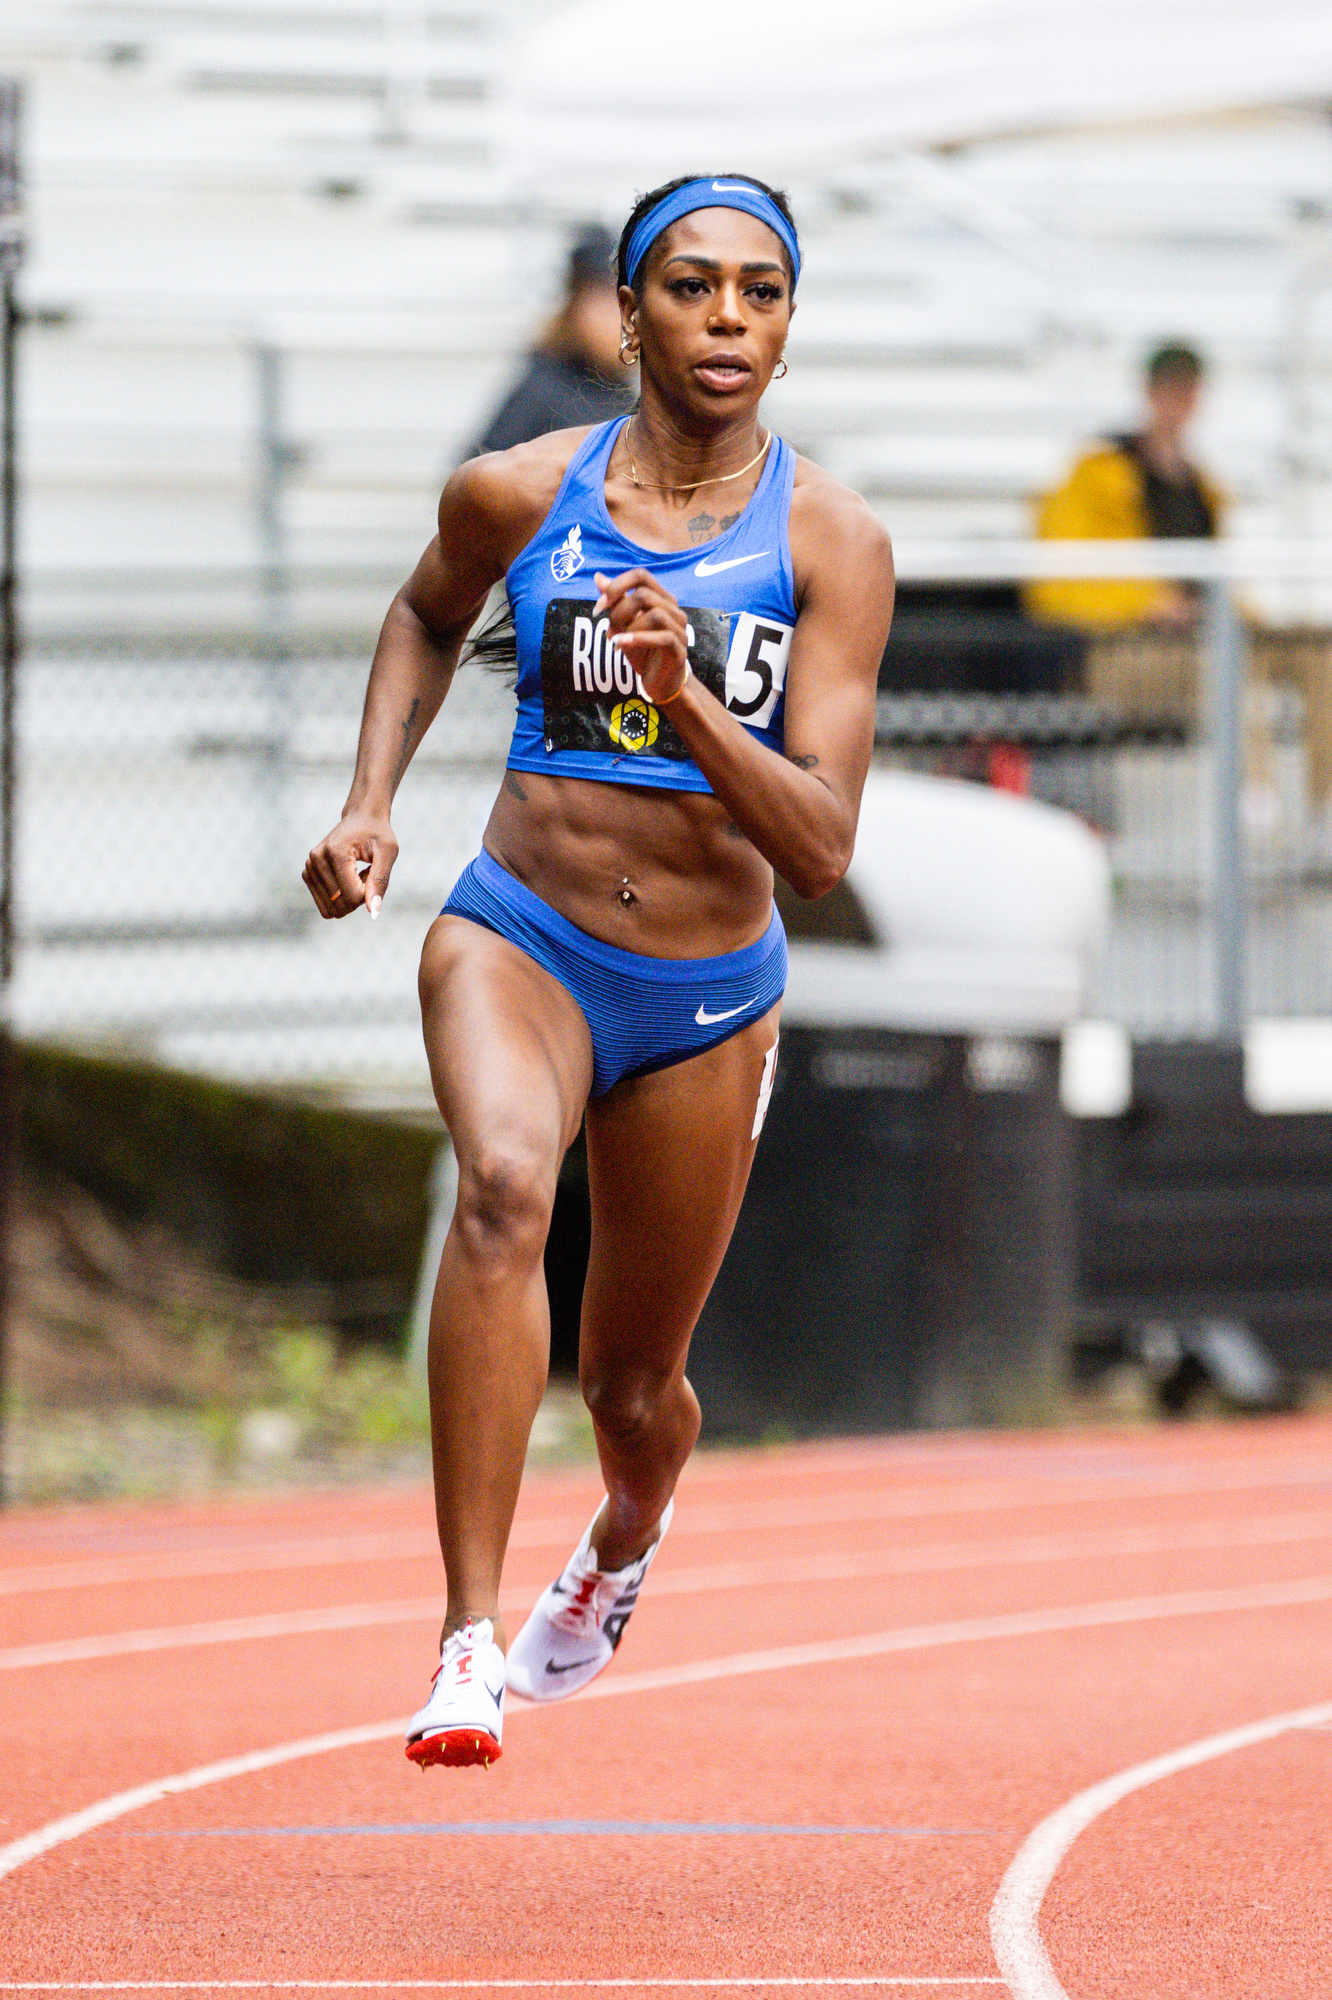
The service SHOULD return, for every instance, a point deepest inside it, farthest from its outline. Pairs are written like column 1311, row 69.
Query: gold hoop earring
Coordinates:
column 780, row 369
column 627, row 358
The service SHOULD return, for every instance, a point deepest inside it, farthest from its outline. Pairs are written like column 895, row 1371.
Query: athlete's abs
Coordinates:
column 696, row 885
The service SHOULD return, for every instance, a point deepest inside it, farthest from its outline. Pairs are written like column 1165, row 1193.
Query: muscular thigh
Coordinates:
column 509, row 1050
column 668, row 1159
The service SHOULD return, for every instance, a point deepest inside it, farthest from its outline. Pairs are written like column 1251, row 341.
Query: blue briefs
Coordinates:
column 642, row 1013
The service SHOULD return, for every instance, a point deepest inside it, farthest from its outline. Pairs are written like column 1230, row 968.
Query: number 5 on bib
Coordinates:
column 756, row 668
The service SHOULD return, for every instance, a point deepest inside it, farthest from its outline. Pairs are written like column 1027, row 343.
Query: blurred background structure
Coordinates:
column 284, row 263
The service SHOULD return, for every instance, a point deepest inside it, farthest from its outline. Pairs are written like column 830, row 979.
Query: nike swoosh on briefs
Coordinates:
column 705, row 1019
column 551, row 1667
column 706, row 568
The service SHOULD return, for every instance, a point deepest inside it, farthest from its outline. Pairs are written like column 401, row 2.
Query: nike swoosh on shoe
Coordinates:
column 568, row 1668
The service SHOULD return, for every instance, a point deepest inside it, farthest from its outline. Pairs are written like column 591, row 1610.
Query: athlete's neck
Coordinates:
column 677, row 460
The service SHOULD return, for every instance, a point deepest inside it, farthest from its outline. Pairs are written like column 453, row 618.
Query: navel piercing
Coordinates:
column 626, row 893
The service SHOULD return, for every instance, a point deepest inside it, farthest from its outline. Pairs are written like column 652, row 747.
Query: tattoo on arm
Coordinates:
column 511, row 784
column 406, row 741
column 805, row 763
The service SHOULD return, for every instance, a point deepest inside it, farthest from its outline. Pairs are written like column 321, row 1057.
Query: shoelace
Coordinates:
column 585, row 1609
column 455, row 1646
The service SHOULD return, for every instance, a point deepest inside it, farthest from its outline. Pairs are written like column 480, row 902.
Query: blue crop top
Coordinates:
column 580, row 711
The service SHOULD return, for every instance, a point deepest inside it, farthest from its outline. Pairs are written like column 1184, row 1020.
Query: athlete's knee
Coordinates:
column 505, row 1194
column 626, row 1406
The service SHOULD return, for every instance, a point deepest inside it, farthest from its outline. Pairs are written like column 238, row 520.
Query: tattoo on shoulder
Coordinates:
column 805, row 763
column 511, row 784
column 407, row 727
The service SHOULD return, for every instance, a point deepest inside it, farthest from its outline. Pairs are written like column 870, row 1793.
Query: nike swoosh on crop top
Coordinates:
column 581, row 711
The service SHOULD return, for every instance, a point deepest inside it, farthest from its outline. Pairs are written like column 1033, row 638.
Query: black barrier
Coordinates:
column 1196, row 1208
column 904, row 1257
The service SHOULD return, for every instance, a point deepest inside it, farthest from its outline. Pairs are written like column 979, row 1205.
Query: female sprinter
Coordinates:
column 699, row 620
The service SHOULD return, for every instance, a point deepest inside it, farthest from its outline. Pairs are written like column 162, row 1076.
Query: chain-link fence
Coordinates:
column 1204, row 758
column 173, row 778
column 170, row 788
column 177, row 759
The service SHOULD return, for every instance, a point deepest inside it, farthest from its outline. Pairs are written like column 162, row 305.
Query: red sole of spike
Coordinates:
column 456, row 1746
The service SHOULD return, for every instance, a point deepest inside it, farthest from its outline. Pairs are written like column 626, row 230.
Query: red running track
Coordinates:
column 1044, row 1714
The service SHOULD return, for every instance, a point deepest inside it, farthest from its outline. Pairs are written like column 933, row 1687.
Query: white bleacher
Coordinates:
column 327, row 180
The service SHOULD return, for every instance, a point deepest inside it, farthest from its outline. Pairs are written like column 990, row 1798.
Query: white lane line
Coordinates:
column 938, row 1556
column 947, row 1556
column 997, row 1495
column 855, row 1981
column 97, row 1572
column 773, row 1659
column 222, row 1632
column 1015, row 1912
column 956, row 1497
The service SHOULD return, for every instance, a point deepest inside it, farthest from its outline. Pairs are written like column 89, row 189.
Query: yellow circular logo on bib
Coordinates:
column 633, row 724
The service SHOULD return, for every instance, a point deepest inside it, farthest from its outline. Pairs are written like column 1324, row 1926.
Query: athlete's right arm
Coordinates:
column 480, row 513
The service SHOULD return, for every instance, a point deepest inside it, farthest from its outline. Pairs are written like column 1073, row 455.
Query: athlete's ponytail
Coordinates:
column 494, row 643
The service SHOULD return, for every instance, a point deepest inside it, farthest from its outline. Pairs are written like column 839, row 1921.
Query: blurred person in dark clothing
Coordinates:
column 573, row 374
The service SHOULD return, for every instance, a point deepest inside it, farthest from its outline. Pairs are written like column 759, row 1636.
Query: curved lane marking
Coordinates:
column 58, row 1831
column 938, row 1556
column 1015, row 1913
column 896, row 1504
column 773, row 1659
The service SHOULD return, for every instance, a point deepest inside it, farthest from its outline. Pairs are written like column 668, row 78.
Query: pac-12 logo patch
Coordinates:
column 633, row 724
column 568, row 557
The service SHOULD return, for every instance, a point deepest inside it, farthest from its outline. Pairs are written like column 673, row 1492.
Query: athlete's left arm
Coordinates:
column 800, row 809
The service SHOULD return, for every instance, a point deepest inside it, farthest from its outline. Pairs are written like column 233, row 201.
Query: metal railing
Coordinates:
column 1188, row 869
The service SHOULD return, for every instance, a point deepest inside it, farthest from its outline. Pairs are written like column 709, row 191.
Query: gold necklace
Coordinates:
column 721, row 479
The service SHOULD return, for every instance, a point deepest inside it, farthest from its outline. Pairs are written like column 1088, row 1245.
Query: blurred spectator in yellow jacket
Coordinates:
column 1138, row 486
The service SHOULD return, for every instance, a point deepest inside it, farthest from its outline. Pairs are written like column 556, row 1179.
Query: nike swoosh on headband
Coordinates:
column 693, row 195
column 706, row 568
column 705, row 1020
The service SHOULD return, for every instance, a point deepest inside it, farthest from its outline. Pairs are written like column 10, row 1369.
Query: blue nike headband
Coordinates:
column 708, row 194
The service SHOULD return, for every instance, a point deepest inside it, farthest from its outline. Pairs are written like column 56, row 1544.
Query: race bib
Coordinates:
column 593, row 699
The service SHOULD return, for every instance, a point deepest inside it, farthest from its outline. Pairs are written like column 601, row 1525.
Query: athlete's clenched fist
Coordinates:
column 649, row 627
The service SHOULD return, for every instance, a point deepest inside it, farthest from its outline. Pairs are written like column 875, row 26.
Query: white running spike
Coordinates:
column 463, row 1721
column 578, row 1622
